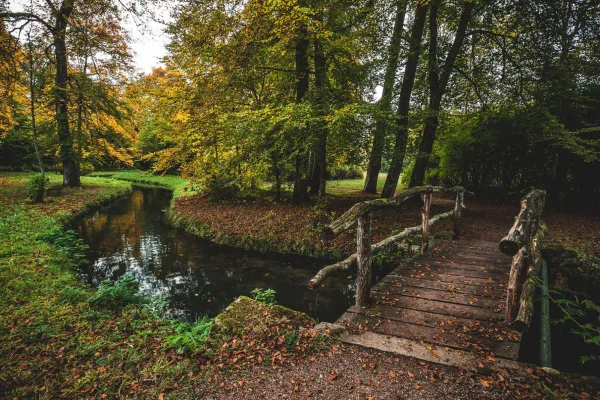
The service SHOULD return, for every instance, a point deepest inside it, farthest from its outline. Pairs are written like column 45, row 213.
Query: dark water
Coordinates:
column 196, row 276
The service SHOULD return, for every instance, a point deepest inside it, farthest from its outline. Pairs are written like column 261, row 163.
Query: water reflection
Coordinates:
column 196, row 276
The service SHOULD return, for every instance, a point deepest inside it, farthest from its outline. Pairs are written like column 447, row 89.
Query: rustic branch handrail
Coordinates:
column 363, row 212
column 349, row 218
column 523, row 242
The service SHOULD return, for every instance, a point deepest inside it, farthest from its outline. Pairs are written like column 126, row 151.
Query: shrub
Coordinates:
column 344, row 172
column 118, row 295
column 36, row 188
column 189, row 337
column 266, row 296
column 219, row 187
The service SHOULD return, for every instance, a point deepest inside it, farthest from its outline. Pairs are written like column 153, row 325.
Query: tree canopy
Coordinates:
column 255, row 94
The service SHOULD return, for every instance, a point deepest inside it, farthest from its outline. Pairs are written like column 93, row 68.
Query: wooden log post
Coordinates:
column 518, row 270
column 425, row 210
column 364, row 260
column 458, row 210
column 526, row 306
column 526, row 222
column 385, row 244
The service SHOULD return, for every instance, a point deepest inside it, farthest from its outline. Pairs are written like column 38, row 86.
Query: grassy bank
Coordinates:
column 53, row 342
column 178, row 185
column 60, row 338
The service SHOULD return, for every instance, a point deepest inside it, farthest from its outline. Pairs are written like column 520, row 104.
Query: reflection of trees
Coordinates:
column 197, row 277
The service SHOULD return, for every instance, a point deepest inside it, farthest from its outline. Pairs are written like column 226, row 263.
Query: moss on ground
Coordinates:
column 246, row 314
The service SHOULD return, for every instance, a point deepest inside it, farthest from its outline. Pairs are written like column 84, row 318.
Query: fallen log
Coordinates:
column 349, row 218
column 525, row 314
column 526, row 222
column 383, row 245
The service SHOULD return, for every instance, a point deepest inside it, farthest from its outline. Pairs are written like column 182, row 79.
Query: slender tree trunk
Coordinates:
column 70, row 173
column 302, row 71
column 32, row 97
column 321, row 147
column 404, row 104
column 437, row 85
column 379, row 135
column 80, row 105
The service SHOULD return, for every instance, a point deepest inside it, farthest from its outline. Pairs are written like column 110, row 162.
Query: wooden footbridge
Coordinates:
column 458, row 303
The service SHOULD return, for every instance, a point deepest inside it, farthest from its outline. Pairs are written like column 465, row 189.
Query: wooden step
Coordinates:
column 489, row 291
column 436, row 306
column 438, row 337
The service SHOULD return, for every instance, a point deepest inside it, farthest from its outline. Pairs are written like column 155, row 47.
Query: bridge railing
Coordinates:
column 523, row 242
column 362, row 215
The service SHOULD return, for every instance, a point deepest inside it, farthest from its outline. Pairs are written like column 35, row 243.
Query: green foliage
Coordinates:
column 220, row 185
column 266, row 296
column 73, row 294
column 337, row 172
column 68, row 243
column 36, row 188
column 189, row 337
column 291, row 338
column 585, row 315
column 119, row 294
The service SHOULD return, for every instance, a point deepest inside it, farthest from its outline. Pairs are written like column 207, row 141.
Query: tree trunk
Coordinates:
column 302, row 75
column 376, row 154
column 70, row 173
column 32, row 98
column 404, row 104
column 320, row 169
column 437, row 85
column 364, row 260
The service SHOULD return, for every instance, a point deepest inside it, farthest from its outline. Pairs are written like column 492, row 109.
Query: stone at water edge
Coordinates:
column 245, row 313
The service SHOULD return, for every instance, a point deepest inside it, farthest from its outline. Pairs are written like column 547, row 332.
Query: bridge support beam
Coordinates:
column 364, row 260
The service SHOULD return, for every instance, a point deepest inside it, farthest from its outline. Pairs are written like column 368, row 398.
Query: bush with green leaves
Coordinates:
column 119, row 294
column 36, row 188
column 585, row 316
column 266, row 296
column 189, row 337
column 67, row 242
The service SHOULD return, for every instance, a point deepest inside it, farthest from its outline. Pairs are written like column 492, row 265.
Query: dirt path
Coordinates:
column 348, row 372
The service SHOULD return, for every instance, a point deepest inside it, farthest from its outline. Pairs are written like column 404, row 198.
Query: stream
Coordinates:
column 196, row 276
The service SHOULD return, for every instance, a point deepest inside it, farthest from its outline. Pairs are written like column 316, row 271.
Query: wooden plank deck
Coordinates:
column 446, row 307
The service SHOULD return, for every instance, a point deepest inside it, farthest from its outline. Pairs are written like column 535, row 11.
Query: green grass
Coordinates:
column 178, row 185
column 54, row 341
column 348, row 186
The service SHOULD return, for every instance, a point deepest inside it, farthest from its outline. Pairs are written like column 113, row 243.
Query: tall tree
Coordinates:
column 408, row 80
column 56, row 22
column 438, row 83
column 381, row 124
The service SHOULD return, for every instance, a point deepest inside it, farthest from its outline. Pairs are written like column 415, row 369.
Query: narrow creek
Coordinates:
column 198, row 277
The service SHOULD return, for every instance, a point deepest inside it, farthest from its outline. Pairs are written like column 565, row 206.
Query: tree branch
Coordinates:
column 25, row 16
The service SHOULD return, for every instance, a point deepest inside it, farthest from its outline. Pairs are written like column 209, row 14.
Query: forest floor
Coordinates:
column 55, row 343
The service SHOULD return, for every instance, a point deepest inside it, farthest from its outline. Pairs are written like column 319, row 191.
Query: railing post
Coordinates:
column 458, row 207
column 426, row 196
column 364, row 260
